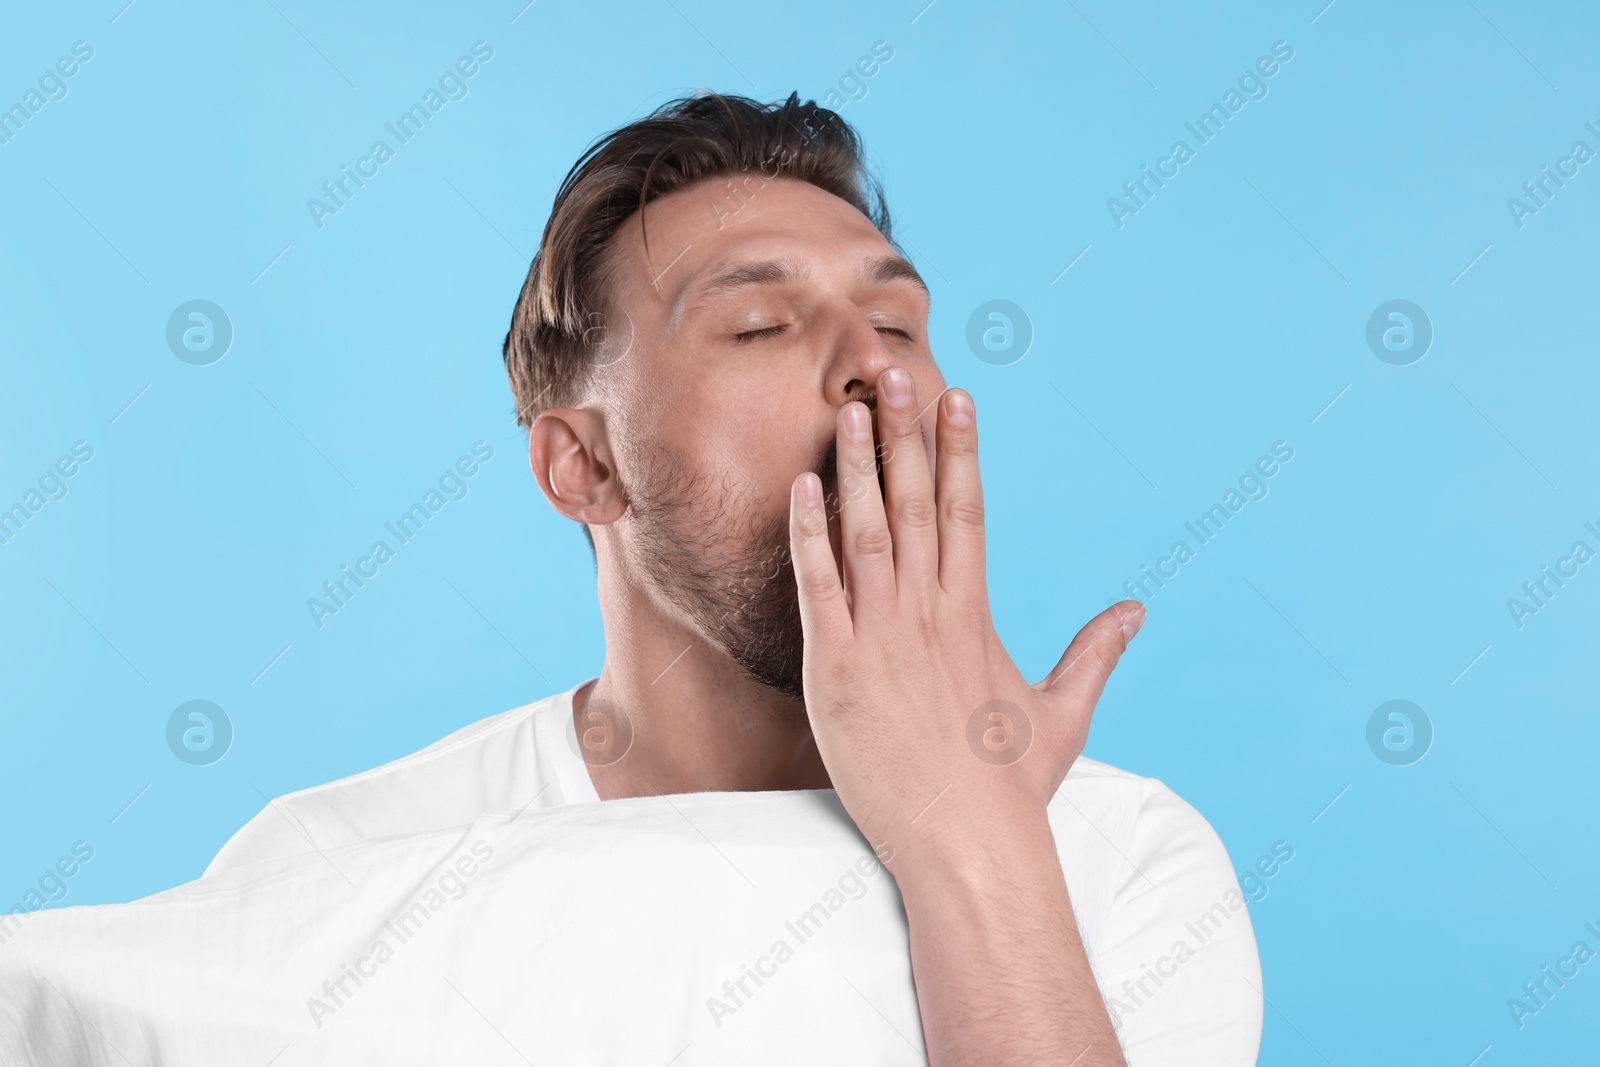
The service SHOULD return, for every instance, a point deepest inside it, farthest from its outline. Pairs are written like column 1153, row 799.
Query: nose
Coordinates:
column 859, row 356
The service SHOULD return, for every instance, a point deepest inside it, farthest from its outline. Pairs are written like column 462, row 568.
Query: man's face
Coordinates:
column 757, row 315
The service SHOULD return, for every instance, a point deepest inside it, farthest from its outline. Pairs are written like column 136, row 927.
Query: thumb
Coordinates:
column 1080, row 675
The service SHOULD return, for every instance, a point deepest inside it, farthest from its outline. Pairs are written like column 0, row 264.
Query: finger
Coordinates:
column 908, row 483
column 1080, row 676
column 864, row 539
column 824, row 616
column 960, row 496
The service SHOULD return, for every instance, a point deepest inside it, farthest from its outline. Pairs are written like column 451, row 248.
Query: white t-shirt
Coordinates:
column 517, row 760
column 1165, row 925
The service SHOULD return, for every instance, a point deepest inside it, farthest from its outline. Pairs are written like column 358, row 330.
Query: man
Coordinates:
column 724, row 367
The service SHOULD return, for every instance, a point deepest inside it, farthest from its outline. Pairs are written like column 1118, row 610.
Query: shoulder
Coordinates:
column 1173, row 947
column 1142, row 817
column 452, row 781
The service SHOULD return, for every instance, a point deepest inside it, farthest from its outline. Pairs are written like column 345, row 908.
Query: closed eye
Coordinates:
column 772, row 331
column 756, row 335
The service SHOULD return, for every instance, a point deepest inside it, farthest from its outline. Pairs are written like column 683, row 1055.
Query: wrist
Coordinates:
column 980, row 852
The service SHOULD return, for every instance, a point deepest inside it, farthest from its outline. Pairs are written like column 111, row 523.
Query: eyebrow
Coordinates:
column 887, row 269
column 745, row 275
column 884, row 270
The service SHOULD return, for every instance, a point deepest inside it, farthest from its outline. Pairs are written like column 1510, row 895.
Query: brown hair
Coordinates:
column 548, row 349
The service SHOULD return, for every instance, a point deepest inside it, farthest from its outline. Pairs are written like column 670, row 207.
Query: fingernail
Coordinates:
column 1131, row 622
column 958, row 409
column 810, row 489
column 897, row 386
column 856, row 422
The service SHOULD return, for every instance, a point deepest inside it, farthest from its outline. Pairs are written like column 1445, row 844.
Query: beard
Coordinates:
column 711, row 553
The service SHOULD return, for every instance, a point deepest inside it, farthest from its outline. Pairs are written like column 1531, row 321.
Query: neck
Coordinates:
column 699, row 722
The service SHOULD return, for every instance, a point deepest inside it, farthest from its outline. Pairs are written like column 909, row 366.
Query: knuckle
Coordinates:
column 820, row 586
column 1102, row 657
column 806, row 526
column 854, row 489
column 961, row 443
column 873, row 541
column 916, row 512
column 964, row 512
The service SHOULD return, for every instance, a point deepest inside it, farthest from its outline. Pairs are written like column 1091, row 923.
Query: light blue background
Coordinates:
column 1223, row 317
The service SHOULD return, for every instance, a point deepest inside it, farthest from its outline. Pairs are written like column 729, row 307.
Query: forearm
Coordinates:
column 1000, row 970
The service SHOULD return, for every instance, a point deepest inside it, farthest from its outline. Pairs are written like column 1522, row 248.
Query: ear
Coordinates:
column 571, row 457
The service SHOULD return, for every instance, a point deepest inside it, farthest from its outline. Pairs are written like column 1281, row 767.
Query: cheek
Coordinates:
column 740, row 462
column 771, row 429
column 930, row 382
